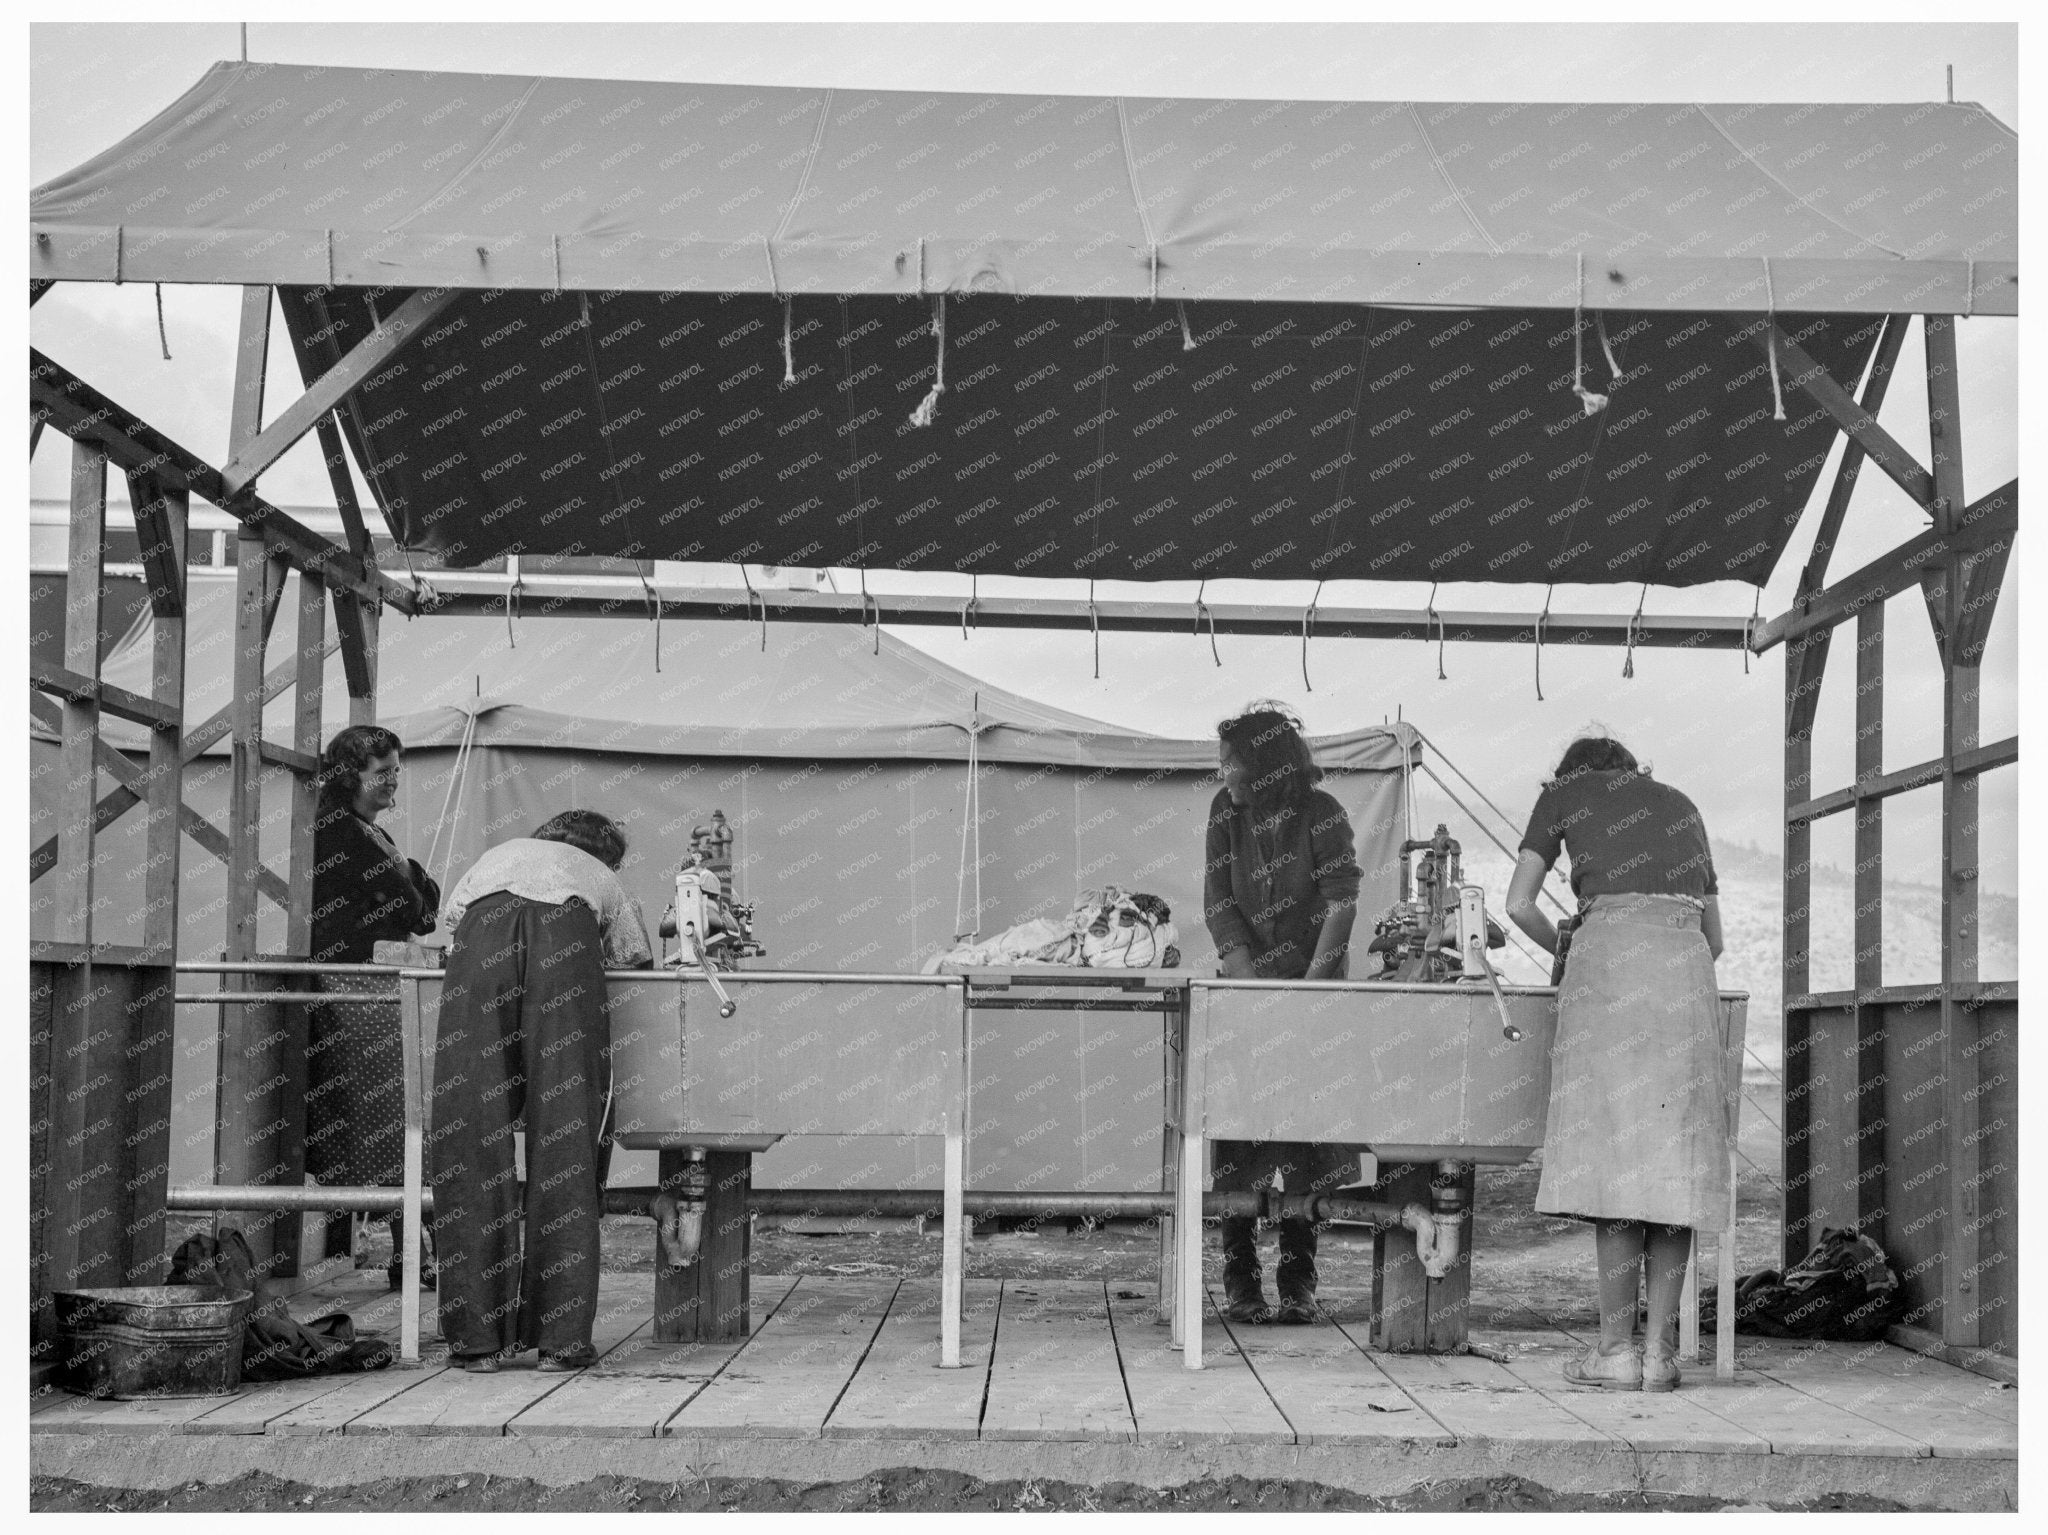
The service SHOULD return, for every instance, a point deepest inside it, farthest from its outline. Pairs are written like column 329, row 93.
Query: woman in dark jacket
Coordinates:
column 364, row 891
column 1280, row 890
column 1638, row 1137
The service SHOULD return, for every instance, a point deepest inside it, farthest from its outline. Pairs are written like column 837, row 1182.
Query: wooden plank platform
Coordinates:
column 900, row 1388
column 1056, row 1373
column 1076, row 1379
column 793, row 1371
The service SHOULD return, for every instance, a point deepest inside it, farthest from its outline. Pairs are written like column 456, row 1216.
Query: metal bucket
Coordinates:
column 152, row 1340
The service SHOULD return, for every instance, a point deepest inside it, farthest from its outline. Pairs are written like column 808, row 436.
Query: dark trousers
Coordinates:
column 524, row 1041
column 1307, row 1167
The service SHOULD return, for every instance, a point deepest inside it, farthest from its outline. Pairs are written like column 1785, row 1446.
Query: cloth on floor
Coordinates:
column 1845, row 1290
column 1107, row 928
column 274, row 1345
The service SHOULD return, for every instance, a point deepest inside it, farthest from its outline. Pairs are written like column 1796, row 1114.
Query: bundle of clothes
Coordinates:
column 1845, row 1290
column 1110, row 928
column 274, row 1346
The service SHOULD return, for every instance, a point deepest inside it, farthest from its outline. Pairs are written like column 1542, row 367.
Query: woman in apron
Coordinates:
column 1280, row 891
column 1638, row 1136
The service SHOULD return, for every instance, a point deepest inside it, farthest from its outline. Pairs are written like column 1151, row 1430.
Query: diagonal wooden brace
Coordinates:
column 1884, row 450
column 370, row 355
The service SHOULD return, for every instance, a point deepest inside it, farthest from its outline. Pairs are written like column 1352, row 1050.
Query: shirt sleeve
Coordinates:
column 1337, row 874
column 1226, row 923
column 625, row 929
column 1545, row 836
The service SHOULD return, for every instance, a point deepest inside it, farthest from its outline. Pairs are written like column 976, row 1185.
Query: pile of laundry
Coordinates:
column 275, row 1346
column 1845, row 1290
column 1110, row 928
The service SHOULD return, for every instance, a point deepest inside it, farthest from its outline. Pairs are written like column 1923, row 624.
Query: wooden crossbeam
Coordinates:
column 1984, row 524
column 1808, row 376
column 62, row 682
column 307, row 763
column 1980, row 759
column 82, row 412
column 121, row 800
column 367, row 357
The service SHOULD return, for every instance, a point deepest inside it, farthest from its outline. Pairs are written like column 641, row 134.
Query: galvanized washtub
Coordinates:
column 152, row 1340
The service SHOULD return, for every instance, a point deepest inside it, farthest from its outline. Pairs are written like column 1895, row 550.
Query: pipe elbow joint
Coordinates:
column 1436, row 1241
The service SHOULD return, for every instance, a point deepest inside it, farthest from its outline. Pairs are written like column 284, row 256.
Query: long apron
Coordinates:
column 1639, row 1114
column 524, row 1041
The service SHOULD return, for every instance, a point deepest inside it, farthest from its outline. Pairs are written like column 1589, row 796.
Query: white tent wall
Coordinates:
column 852, row 865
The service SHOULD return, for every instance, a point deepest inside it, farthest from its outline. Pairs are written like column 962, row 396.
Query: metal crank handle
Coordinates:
column 726, row 1006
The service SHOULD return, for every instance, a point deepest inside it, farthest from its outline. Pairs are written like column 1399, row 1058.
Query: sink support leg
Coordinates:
column 1412, row 1313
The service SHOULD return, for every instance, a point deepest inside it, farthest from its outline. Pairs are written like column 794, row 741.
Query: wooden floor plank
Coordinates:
column 457, row 1402
column 1221, row 1403
column 1916, row 1410
column 1481, row 1400
column 144, row 1415
column 900, row 1390
column 1055, row 1374
column 640, row 1385
column 1645, row 1420
column 1798, row 1424
column 1328, row 1389
column 787, row 1379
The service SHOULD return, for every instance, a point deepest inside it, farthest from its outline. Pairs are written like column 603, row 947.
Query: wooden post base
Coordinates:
column 706, row 1301
column 1412, row 1313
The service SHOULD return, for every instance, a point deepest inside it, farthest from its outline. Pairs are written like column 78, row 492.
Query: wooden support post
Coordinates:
column 1805, row 664
column 312, row 657
column 1868, row 929
column 357, row 624
column 708, row 1301
column 1188, row 1309
column 166, row 770
column 953, row 1267
column 79, row 789
column 245, row 790
column 412, row 1036
column 1960, row 1290
column 1400, row 1288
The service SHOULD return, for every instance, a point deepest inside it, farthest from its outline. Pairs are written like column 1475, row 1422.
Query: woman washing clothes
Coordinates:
column 364, row 892
column 524, row 1043
column 1637, row 1141
column 1280, row 890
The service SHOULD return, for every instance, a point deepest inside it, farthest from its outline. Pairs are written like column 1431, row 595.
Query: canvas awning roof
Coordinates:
column 697, row 319
column 815, row 692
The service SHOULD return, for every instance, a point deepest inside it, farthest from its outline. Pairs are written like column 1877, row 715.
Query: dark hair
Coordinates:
column 1267, row 738
column 595, row 833
column 347, row 756
column 1595, row 754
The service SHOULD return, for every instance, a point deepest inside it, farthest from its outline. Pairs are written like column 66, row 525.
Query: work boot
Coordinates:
column 1296, row 1273
column 1243, row 1291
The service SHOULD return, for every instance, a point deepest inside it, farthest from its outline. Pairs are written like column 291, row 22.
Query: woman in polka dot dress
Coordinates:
column 364, row 890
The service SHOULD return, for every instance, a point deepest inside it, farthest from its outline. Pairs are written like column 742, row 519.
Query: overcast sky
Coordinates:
column 1710, row 727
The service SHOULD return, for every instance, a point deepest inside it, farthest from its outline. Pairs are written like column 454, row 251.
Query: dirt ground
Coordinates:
column 899, row 1488
column 1525, row 1267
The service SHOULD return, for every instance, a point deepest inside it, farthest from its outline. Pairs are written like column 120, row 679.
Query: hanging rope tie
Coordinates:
column 1437, row 619
column 1155, row 271
column 1771, row 343
column 1635, row 629
column 1308, row 618
column 1594, row 403
column 1607, row 347
column 1749, row 627
column 1187, row 337
column 929, row 407
column 645, row 570
column 865, row 603
column 657, row 631
column 788, row 344
column 970, row 824
column 163, row 339
column 1202, row 608
column 971, row 607
column 1541, row 619
column 1095, row 628
column 515, row 590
